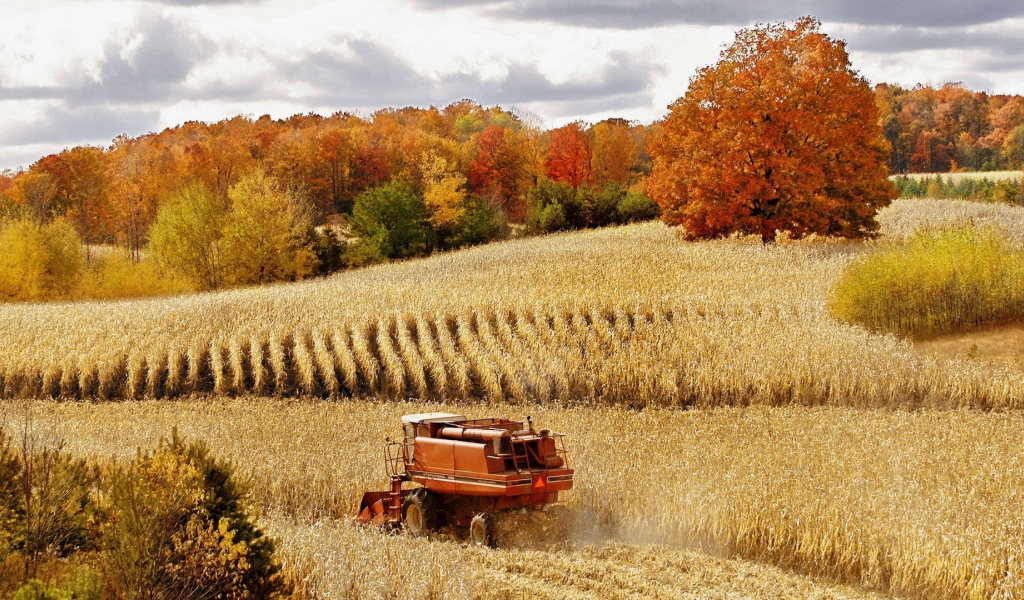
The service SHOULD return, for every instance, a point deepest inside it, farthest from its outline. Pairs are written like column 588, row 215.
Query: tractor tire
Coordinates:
column 419, row 512
column 481, row 531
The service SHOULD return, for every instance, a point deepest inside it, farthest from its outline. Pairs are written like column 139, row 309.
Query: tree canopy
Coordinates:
column 781, row 135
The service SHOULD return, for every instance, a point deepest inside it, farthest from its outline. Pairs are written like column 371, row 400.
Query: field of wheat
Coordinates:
column 603, row 335
column 923, row 504
column 630, row 315
column 956, row 177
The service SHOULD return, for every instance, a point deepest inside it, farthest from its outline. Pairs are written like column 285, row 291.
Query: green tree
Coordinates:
column 186, row 236
column 395, row 218
column 260, row 243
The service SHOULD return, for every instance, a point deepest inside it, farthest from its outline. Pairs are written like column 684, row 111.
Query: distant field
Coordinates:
column 629, row 315
column 990, row 175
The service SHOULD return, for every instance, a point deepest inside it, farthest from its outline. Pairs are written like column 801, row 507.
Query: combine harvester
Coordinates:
column 467, row 471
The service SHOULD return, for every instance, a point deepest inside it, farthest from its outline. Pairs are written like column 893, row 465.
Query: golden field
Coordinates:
column 955, row 177
column 826, row 460
column 629, row 315
column 923, row 504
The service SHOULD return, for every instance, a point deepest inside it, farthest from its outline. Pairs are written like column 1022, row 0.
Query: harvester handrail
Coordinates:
column 395, row 459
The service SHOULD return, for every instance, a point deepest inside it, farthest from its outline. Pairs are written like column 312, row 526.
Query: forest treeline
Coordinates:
column 204, row 203
column 951, row 129
column 246, row 201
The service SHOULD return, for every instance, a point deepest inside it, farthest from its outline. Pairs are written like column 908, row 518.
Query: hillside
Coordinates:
column 627, row 315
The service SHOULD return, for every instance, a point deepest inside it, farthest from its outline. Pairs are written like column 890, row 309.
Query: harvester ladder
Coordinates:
column 520, row 460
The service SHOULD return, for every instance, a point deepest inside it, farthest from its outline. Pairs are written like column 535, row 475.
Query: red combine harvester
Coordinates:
column 468, row 470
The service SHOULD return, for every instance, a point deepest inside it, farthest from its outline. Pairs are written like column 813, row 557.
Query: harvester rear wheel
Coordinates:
column 481, row 530
column 419, row 512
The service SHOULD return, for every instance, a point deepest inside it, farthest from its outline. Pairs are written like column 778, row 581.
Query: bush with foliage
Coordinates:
column 953, row 279
column 168, row 524
column 394, row 218
column 555, row 206
column 39, row 261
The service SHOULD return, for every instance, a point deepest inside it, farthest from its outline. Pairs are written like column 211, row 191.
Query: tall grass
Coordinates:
column 952, row 279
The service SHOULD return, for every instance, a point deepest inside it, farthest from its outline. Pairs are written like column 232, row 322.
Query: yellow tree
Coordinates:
column 259, row 240
column 443, row 190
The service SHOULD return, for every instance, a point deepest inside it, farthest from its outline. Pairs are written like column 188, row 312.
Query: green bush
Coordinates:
column 585, row 207
column 637, row 206
column 481, row 223
column 395, row 217
column 949, row 280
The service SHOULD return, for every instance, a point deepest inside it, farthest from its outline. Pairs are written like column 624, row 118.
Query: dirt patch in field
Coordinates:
column 1001, row 345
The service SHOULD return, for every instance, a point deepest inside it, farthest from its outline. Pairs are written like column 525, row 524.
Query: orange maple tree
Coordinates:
column 781, row 135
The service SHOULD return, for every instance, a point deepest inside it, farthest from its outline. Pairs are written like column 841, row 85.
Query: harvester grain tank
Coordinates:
column 465, row 471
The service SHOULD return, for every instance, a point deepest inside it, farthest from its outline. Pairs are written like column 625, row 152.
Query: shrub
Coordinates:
column 39, row 262
column 952, row 279
column 395, row 217
column 179, row 521
column 118, row 276
column 553, row 218
column 637, row 206
column 481, row 222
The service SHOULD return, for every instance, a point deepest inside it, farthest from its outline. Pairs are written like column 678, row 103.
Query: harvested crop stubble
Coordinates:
column 924, row 503
column 629, row 315
column 332, row 558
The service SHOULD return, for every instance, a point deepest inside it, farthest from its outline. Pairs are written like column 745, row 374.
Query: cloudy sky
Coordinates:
column 78, row 72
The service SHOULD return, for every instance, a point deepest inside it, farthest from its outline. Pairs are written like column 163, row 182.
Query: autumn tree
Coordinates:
column 780, row 135
column 494, row 171
column 615, row 152
column 260, row 241
column 569, row 155
column 443, row 191
column 186, row 236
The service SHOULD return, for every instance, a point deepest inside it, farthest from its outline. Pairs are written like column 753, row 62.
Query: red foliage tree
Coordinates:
column 495, row 171
column 569, row 155
column 780, row 135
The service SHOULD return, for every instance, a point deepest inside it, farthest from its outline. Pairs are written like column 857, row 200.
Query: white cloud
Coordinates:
column 99, row 68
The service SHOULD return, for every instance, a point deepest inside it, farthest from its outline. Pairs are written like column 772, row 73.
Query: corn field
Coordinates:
column 789, row 483
column 921, row 504
column 629, row 316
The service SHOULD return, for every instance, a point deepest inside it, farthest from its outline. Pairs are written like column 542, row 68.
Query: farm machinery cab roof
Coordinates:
column 467, row 470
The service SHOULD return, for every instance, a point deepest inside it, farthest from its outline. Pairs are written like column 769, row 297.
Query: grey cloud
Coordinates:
column 157, row 69
column 637, row 14
column 903, row 39
column 71, row 125
column 374, row 76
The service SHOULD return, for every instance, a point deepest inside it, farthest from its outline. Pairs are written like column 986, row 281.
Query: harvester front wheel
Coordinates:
column 419, row 513
column 481, row 530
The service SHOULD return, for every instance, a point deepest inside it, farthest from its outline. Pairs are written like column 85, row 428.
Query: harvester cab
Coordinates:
column 466, row 471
